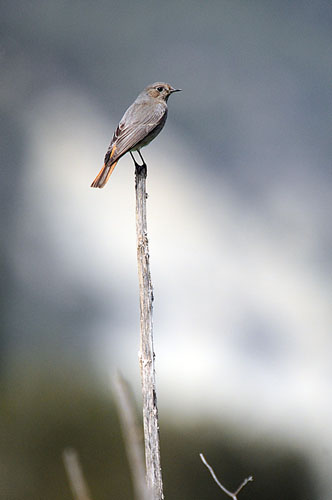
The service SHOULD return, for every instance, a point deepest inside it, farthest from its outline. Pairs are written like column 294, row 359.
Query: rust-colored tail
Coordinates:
column 103, row 175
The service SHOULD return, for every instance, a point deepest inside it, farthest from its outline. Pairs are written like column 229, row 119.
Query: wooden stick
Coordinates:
column 146, row 355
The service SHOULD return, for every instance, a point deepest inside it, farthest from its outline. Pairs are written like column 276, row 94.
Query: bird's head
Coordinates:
column 160, row 91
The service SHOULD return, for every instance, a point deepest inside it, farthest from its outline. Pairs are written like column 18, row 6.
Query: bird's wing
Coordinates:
column 138, row 121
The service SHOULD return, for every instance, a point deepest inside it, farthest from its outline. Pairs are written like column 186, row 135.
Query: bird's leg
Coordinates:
column 139, row 169
column 143, row 162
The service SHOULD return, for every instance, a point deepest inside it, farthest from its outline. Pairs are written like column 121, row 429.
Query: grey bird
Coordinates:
column 140, row 124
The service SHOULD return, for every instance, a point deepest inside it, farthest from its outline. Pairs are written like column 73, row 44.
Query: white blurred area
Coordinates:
column 242, row 312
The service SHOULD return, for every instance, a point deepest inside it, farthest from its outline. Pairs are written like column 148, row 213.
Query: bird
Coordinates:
column 140, row 124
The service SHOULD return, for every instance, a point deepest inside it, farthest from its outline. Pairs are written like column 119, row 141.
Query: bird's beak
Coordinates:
column 174, row 90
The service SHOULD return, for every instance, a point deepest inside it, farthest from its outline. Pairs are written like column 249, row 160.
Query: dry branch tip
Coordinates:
column 225, row 490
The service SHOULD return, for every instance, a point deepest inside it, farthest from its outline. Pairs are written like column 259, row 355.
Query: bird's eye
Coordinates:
column 160, row 89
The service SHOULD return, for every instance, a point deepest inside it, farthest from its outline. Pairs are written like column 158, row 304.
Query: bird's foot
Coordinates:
column 140, row 170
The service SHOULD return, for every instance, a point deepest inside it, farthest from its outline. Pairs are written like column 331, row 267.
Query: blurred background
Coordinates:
column 240, row 238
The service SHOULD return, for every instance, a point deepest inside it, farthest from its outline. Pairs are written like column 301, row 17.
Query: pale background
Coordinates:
column 240, row 237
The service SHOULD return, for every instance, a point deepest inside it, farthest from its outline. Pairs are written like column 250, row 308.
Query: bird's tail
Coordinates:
column 104, row 175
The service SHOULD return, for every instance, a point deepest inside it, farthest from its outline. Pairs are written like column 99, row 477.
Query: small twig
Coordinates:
column 247, row 480
column 76, row 479
column 131, row 434
column 229, row 493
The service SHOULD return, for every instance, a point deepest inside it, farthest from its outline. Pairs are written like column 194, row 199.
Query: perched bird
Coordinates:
column 140, row 124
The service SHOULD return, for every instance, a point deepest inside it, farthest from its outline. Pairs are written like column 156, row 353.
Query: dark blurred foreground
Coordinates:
column 40, row 419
